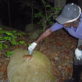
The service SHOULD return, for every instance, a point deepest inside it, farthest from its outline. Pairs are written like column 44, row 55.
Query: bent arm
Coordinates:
column 44, row 35
column 53, row 28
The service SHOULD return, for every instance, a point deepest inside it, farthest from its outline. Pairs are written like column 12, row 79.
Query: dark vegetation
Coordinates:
column 22, row 21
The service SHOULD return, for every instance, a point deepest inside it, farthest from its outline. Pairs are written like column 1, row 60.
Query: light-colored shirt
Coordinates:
column 73, row 31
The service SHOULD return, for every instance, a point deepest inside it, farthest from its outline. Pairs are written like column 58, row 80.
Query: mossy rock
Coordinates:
column 23, row 69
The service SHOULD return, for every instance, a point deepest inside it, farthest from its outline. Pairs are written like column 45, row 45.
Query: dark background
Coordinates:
column 17, row 14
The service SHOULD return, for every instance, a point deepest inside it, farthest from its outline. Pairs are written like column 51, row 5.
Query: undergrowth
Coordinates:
column 9, row 39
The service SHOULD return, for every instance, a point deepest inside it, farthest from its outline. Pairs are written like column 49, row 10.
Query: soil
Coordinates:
column 58, row 47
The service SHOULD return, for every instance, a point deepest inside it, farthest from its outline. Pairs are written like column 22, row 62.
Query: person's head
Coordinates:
column 74, row 23
column 70, row 13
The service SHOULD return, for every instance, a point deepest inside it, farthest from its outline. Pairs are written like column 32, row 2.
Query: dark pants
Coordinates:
column 77, row 67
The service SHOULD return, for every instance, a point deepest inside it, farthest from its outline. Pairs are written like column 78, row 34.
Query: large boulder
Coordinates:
column 26, row 69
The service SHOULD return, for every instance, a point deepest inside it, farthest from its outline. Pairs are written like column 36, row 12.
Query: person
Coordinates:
column 71, row 20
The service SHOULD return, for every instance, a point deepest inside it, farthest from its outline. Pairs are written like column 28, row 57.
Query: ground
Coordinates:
column 59, row 48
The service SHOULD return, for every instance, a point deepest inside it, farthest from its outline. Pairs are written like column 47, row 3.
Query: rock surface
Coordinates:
column 23, row 68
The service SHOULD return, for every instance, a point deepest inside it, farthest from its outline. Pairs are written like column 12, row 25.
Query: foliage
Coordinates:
column 45, row 16
column 8, row 53
column 10, row 38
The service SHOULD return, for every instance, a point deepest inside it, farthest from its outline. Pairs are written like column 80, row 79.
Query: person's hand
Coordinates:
column 31, row 48
column 78, row 54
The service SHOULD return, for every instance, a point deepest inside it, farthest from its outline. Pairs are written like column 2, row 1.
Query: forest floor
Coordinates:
column 58, row 47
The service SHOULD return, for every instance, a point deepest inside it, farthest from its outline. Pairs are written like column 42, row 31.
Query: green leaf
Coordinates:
column 14, row 42
column 8, row 53
column 21, row 42
column 9, row 33
column 1, row 46
column 5, row 46
column 7, row 38
column 14, row 31
column 2, row 31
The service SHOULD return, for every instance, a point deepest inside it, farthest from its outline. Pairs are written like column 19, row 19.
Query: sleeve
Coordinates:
column 56, row 26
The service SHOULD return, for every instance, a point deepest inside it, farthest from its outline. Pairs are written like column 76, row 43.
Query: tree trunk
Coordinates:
column 59, row 3
column 80, row 3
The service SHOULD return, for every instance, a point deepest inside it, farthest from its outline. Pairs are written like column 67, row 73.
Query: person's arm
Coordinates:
column 34, row 44
column 53, row 28
column 44, row 35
